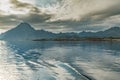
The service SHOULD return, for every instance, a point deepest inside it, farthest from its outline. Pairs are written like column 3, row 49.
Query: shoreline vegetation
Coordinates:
column 80, row 39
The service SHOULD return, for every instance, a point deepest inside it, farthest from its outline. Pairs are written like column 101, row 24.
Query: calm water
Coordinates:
column 26, row 60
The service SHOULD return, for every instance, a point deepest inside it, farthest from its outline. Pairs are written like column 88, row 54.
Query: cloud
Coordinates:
column 35, row 18
column 17, row 5
column 7, row 21
column 64, row 15
column 34, row 15
column 84, row 9
column 87, row 14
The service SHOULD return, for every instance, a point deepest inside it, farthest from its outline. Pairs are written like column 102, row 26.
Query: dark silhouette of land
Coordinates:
column 24, row 31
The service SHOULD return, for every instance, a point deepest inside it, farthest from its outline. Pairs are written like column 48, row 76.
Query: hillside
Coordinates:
column 25, row 31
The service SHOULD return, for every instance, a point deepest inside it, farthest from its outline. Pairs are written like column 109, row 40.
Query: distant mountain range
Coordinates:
column 24, row 31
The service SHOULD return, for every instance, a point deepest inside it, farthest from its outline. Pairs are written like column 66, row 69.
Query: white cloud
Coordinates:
column 78, row 9
column 5, row 6
column 28, row 1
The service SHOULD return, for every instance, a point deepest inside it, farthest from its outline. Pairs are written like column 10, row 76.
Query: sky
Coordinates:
column 60, row 15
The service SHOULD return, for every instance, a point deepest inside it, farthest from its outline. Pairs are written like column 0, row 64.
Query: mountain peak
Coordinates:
column 22, row 31
column 113, row 29
column 24, row 25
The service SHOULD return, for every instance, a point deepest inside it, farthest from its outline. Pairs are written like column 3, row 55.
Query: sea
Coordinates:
column 59, row 60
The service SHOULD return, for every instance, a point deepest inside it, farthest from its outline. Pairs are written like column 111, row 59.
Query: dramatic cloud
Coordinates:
column 83, row 9
column 23, row 12
column 87, row 14
column 61, row 15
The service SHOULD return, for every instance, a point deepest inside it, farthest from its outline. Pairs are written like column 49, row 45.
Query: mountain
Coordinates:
column 42, row 34
column 24, row 31
column 112, row 32
column 86, row 34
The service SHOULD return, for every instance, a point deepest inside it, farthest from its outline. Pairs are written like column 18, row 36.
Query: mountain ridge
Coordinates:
column 25, row 31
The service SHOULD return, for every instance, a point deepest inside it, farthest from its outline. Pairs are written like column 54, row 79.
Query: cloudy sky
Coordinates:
column 60, row 15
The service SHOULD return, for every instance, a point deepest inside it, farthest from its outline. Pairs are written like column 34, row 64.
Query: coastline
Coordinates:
column 79, row 39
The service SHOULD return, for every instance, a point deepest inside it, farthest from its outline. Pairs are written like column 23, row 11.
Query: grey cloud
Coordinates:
column 88, row 21
column 38, row 18
column 98, row 15
column 103, row 14
column 17, row 5
column 35, row 14
column 8, row 21
column 35, row 18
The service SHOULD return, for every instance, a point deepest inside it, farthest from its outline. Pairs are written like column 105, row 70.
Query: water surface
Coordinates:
column 30, row 60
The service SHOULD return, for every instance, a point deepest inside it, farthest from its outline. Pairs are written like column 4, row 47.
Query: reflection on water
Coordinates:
column 29, row 60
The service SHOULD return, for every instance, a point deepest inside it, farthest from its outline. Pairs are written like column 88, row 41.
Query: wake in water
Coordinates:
column 29, row 66
column 59, row 61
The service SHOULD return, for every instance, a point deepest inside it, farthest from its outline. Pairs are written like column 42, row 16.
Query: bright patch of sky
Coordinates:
column 46, row 3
